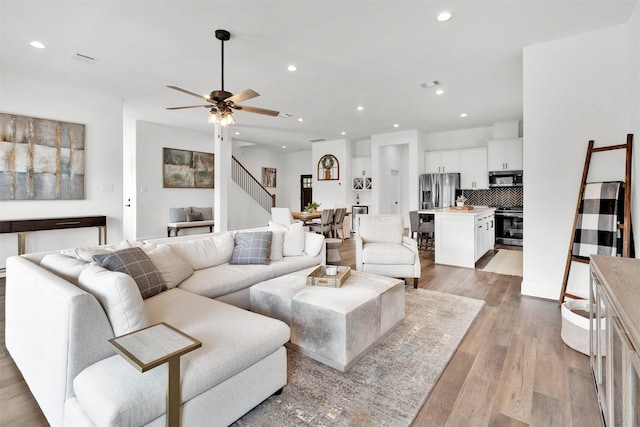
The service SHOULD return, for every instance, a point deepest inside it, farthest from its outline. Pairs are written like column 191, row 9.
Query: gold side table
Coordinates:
column 154, row 346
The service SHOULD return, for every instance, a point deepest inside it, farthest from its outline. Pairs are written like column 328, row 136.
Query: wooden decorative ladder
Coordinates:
column 625, row 226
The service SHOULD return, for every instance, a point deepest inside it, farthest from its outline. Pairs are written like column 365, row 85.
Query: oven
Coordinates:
column 509, row 225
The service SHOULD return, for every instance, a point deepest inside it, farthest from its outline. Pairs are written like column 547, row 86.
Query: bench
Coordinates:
column 177, row 226
column 189, row 217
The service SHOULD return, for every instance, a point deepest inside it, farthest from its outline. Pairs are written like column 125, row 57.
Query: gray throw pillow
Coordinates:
column 178, row 214
column 194, row 216
column 252, row 248
column 207, row 213
column 136, row 263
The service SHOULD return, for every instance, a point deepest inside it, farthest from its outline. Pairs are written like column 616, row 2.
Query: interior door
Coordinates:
column 306, row 190
column 394, row 186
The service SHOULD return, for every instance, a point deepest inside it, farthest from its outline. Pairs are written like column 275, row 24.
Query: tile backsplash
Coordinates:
column 511, row 196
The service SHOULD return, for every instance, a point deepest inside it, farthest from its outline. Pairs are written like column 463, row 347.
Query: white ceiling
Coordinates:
column 348, row 53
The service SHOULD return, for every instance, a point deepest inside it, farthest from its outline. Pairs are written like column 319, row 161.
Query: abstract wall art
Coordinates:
column 269, row 176
column 41, row 159
column 187, row 169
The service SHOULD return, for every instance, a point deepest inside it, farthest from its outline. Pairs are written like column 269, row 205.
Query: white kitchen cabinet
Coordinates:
column 505, row 154
column 445, row 161
column 474, row 173
column 462, row 237
column 485, row 234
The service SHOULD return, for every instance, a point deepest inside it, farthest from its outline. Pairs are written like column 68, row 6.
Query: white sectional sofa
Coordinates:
column 61, row 310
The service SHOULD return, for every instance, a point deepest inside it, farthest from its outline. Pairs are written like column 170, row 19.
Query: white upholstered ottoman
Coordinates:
column 335, row 326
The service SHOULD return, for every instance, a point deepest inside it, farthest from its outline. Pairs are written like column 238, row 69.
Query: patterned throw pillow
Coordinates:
column 136, row 263
column 252, row 248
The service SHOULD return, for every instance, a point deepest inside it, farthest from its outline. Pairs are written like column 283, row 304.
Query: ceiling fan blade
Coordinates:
column 242, row 96
column 256, row 110
column 190, row 106
column 179, row 89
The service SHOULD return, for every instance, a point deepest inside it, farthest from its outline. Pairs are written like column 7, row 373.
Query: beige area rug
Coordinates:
column 506, row 262
column 388, row 386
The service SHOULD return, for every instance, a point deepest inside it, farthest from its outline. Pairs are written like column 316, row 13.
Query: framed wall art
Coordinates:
column 269, row 177
column 187, row 169
column 328, row 168
column 41, row 159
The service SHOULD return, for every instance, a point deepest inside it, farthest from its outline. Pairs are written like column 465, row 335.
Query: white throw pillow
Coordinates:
column 207, row 252
column 313, row 243
column 119, row 296
column 86, row 254
column 64, row 266
column 277, row 243
column 172, row 268
column 293, row 237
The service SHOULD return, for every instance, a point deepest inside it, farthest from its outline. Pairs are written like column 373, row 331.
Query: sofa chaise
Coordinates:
column 61, row 309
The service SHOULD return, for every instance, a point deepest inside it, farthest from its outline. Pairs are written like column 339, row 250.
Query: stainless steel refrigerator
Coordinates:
column 439, row 190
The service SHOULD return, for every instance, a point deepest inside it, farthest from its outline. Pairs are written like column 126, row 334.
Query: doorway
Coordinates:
column 394, row 186
column 306, row 190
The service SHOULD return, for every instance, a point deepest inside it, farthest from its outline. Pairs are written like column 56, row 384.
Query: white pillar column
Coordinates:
column 222, row 178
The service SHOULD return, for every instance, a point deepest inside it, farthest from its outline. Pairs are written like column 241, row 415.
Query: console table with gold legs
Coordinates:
column 22, row 227
column 156, row 345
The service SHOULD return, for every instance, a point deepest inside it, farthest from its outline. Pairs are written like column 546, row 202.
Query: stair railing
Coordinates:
column 241, row 176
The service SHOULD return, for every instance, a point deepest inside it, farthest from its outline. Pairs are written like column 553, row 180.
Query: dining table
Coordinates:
column 306, row 216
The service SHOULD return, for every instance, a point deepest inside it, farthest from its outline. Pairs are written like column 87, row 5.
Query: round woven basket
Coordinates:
column 575, row 328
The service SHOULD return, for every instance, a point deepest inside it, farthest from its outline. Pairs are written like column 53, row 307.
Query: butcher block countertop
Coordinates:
column 477, row 210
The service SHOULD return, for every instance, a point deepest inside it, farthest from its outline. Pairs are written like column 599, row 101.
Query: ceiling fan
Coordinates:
column 221, row 102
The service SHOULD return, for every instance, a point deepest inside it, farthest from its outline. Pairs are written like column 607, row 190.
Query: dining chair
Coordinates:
column 422, row 231
column 326, row 223
column 338, row 219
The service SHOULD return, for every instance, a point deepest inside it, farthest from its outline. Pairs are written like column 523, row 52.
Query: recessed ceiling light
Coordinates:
column 37, row 44
column 396, row 125
column 343, row 133
column 444, row 16
column 463, row 115
column 284, row 146
column 439, row 92
column 237, row 133
column 300, row 119
column 360, row 108
column 292, row 68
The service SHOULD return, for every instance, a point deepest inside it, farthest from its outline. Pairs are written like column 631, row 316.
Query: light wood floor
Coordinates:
column 512, row 369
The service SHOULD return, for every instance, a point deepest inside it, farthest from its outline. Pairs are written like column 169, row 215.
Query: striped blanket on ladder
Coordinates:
column 597, row 227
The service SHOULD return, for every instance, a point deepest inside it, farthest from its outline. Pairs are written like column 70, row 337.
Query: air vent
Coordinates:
column 83, row 58
column 317, row 140
column 430, row 84
column 285, row 115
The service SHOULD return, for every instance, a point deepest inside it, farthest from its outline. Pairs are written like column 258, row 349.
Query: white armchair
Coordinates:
column 382, row 248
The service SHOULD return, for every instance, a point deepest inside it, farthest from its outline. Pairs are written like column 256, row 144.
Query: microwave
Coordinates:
column 505, row 179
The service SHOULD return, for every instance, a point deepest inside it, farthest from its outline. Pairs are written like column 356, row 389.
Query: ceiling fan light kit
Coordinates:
column 222, row 103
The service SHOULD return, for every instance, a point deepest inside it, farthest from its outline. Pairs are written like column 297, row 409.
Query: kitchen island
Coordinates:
column 462, row 236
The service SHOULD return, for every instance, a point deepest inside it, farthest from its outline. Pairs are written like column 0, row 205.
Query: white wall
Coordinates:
column 410, row 163
column 456, row 139
column 289, row 168
column 152, row 201
column 575, row 89
column 332, row 193
column 102, row 116
column 296, row 164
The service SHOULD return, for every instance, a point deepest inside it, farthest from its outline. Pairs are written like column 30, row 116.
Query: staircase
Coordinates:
column 241, row 176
